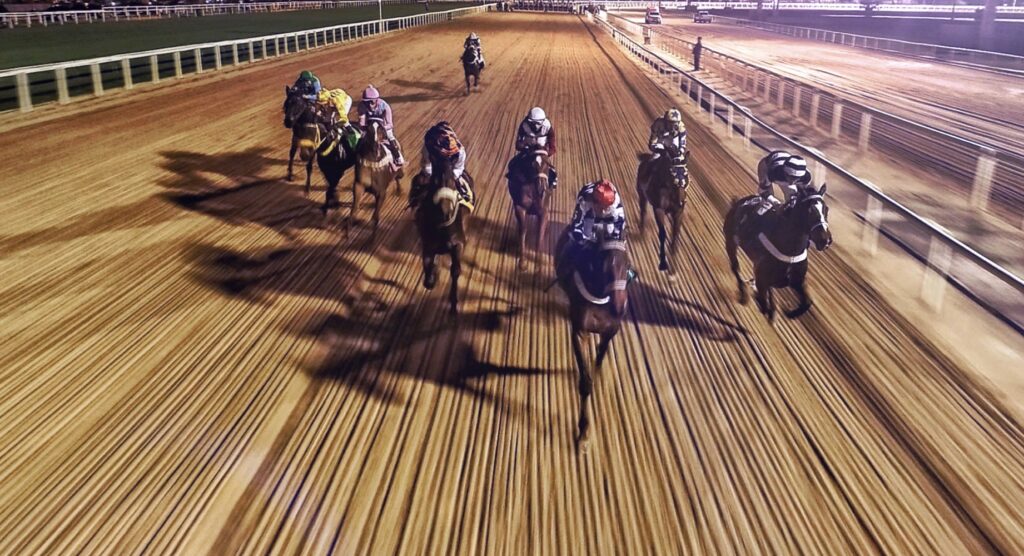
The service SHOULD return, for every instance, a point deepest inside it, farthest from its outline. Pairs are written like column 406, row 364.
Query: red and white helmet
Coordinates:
column 604, row 194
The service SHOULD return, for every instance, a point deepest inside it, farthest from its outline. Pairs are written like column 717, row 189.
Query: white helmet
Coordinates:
column 537, row 114
column 795, row 169
column 473, row 37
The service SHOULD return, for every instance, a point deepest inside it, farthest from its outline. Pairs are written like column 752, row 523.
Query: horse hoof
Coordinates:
column 799, row 311
column 663, row 266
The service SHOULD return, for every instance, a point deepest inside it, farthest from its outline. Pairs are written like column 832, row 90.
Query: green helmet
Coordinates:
column 307, row 75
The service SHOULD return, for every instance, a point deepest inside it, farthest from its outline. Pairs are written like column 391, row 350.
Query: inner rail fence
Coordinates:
column 24, row 88
column 125, row 13
column 982, row 59
column 983, row 176
column 942, row 258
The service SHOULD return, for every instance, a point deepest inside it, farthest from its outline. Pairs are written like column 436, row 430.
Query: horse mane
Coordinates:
column 644, row 156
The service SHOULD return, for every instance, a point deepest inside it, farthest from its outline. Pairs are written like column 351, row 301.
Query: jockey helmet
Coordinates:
column 371, row 93
column 537, row 114
column 306, row 74
column 676, row 119
column 604, row 194
column 473, row 37
column 795, row 169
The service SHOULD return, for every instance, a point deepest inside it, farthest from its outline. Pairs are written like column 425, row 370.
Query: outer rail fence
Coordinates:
column 945, row 258
column 122, row 13
column 23, row 88
column 982, row 59
column 986, row 177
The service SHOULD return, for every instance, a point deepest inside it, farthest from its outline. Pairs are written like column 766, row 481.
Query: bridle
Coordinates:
column 822, row 223
column 449, row 194
column 615, row 286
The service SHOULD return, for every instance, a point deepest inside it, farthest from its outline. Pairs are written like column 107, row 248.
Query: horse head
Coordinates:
column 295, row 105
column 445, row 190
column 814, row 213
column 614, row 269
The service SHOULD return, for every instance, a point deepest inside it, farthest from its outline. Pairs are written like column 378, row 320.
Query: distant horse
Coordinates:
column 471, row 66
column 439, row 220
column 596, row 288
column 334, row 154
column 662, row 184
column 375, row 170
column 528, row 186
column 300, row 117
column 776, row 243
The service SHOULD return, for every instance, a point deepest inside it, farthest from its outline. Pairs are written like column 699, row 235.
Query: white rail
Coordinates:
column 64, row 81
column 122, row 13
column 982, row 59
column 807, row 6
column 988, row 168
column 989, row 284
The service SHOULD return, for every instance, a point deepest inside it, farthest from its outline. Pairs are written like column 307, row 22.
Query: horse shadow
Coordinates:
column 232, row 187
column 651, row 305
column 368, row 351
column 315, row 271
column 430, row 91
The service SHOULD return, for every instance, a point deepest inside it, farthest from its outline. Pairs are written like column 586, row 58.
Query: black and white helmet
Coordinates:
column 795, row 169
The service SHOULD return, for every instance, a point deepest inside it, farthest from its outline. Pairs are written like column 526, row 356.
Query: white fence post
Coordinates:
column 732, row 119
column 815, row 108
column 24, row 92
column 198, row 55
column 983, row 174
column 782, row 94
column 747, row 125
column 126, row 73
column 865, row 131
column 797, row 93
column 154, row 68
column 234, row 54
column 61, row 75
column 97, row 79
column 711, row 108
column 872, row 223
column 933, row 284
column 837, row 119
column 177, row 65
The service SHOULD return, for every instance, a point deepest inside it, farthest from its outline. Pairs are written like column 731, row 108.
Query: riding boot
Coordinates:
column 396, row 151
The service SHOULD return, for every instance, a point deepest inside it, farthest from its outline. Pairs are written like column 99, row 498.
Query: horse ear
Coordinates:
column 822, row 190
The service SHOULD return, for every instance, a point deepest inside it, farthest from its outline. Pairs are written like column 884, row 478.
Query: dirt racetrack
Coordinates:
column 195, row 362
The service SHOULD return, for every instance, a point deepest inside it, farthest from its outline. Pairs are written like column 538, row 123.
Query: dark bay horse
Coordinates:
column 596, row 288
column 440, row 222
column 300, row 116
column 528, row 186
column 334, row 154
column 662, row 183
column 375, row 170
column 471, row 66
column 776, row 244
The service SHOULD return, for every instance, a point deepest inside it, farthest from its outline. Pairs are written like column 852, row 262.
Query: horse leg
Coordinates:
column 643, row 209
column 602, row 349
column 291, row 157
column 429, row 272
column 734, row 266
column 586, row 388
column 763, row 295
column 379, row 196
column 309, row 172
column 659, row 218
column 542, row 225
column 521, row 219
column 453, row 292
column 805, row 300
column 467, row 83
column 356, row 198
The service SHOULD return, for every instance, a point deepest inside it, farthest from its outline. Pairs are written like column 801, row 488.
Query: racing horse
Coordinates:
column 471, row 66
column 440, row 222
column 528, row 186
column 335, row 153
column 776, row 244
column 300, row 116
column 375, row 170
column 661, row 183
column 596, row 287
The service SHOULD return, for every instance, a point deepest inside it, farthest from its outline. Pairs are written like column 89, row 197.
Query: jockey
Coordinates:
column 342, row 104
column 308, row 85
column 787, row 170
column 375, row 107
column 599, row 216
column 535, row 132
column 668, row 133
column 439, row 142
column 473, row 41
